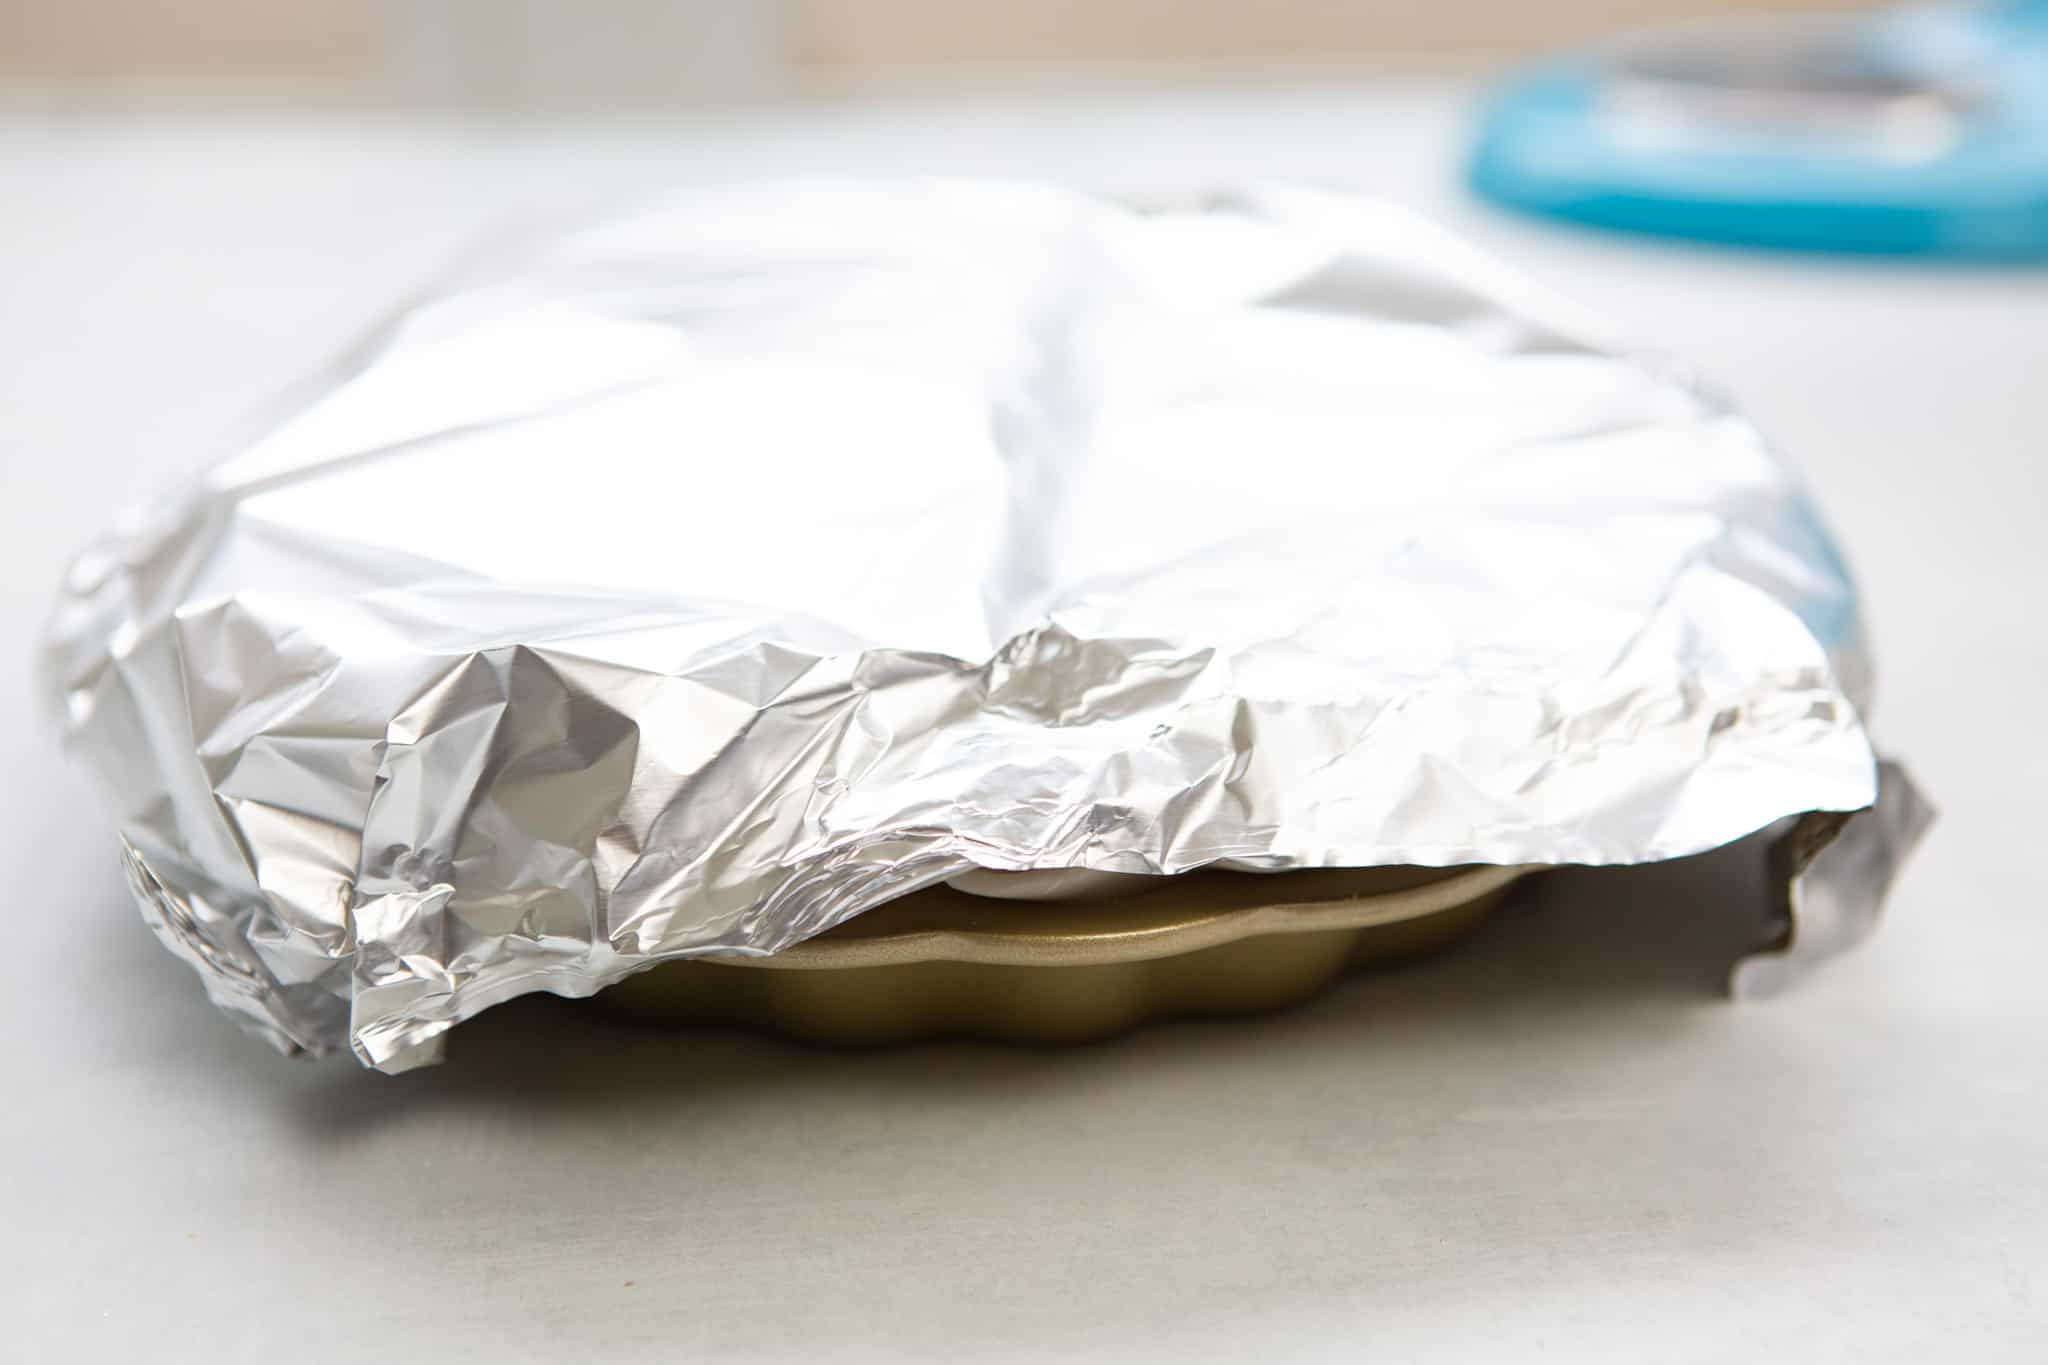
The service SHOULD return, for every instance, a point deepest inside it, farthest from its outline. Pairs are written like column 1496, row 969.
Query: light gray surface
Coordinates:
column 1561, row 1141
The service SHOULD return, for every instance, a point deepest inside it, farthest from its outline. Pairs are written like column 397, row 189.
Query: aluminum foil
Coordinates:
column 694, row 582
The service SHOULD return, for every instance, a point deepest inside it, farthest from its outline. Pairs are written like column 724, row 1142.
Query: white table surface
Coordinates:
column 1561, row 1142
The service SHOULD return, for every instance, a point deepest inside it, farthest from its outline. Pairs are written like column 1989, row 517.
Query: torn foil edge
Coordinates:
column 1833, row 874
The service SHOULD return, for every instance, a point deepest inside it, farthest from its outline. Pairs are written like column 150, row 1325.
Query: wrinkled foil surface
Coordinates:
column 691, row 583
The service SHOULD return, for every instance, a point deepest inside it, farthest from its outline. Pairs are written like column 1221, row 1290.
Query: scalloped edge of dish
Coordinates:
column 943, row 965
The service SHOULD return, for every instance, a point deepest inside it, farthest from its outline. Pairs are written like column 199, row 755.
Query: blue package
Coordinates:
column 1915, row 132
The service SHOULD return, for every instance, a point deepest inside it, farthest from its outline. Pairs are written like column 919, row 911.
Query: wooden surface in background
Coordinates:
column 651, row 53
column 96, row 40
column 868, row 35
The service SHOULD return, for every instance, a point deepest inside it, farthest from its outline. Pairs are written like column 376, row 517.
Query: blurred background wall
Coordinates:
column 556, row 54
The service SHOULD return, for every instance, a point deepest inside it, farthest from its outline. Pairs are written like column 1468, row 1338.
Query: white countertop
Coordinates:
column 1559, row 1142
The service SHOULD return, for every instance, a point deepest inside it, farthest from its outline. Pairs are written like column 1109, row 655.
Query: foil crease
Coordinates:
column 695, row 581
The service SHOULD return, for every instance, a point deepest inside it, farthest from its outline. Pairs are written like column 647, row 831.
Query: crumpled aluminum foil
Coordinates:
column 694, row 582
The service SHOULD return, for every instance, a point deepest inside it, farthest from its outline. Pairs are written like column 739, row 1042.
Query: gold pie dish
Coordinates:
column 943, row 964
